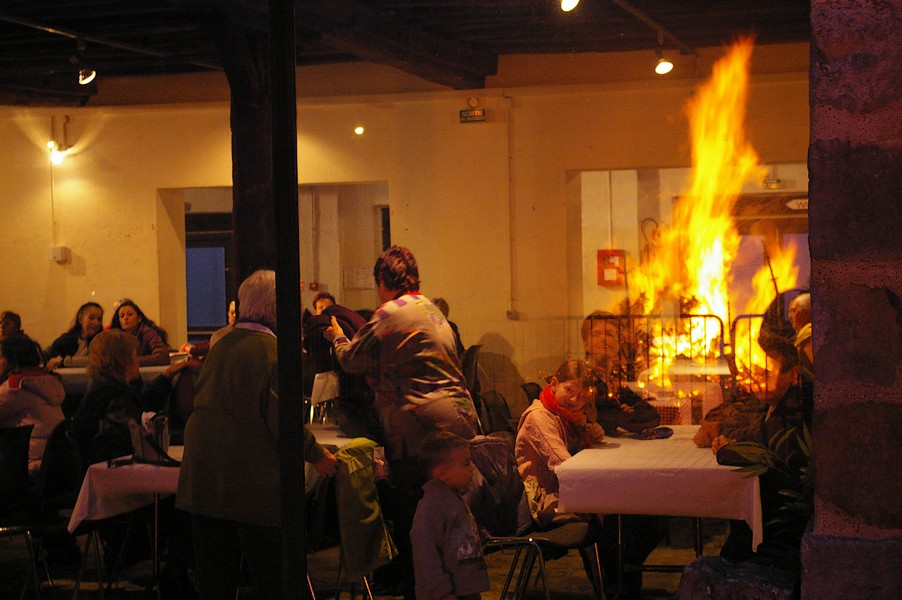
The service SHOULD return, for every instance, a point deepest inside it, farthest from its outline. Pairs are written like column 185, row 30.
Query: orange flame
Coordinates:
column 692, row 262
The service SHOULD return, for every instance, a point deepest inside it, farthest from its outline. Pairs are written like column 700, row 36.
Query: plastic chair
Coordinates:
column 14, row 494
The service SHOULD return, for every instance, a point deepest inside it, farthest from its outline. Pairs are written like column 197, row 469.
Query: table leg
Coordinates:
column 155, row 583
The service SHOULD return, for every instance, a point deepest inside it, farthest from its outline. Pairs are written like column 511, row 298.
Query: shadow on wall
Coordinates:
column 497, row 372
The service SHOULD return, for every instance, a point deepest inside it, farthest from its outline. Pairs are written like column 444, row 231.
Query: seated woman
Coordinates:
column 153, row 342
column 10, row 324
column 71, row 348
column 100, row 425
column 30, row 396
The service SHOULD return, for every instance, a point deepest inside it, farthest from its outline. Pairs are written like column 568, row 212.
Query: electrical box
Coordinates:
column 59, row 254
column 611, row 268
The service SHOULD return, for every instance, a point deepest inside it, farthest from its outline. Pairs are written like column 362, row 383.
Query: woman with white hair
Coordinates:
column 229, row 479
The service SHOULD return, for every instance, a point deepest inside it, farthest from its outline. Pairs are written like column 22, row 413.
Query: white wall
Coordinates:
column 483, row 206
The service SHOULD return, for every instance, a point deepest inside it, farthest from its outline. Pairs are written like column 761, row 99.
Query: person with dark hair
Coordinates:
column 448, row 559
column 30, row 395
column 442, row 305
column 356, row 414
column 71, row 348
column 789, row 407
column 10, row 324
column 407, row 350
column 153, row 342
column 610, row 349
column 322, row 301
column 200, row 349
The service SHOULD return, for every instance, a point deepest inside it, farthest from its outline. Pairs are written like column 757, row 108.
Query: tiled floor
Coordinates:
column 566, row 578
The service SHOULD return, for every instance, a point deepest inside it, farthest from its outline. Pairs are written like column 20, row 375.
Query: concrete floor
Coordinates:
column 566, row 578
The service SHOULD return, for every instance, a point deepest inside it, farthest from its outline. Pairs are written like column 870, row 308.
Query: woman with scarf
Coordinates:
column 553, row 429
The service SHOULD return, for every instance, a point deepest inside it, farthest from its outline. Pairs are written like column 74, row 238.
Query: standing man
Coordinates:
column 407, row 350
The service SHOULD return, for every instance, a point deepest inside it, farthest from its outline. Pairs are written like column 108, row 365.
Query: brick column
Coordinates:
column 855, row 164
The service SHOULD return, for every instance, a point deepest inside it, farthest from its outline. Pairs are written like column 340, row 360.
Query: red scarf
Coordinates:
column 15, row 379
column 574, row 422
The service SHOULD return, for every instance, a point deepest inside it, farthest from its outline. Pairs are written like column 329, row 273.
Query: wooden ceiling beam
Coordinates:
column 353, row 27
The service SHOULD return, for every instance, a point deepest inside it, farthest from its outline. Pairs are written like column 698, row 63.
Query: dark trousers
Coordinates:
column 218, row 547
column 399, row 502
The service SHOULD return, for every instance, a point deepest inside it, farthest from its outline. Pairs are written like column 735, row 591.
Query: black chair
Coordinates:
column 532, row 390
column 541, row 546
column 497, row 414
column 14, row 443
column 469, row 362
column 59, row 478
column 499, row 506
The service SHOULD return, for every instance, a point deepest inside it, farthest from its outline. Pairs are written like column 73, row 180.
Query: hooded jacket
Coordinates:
column 33, row 399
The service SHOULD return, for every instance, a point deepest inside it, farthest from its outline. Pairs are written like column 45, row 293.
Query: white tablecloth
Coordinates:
column 659, row 477
column 106, row 492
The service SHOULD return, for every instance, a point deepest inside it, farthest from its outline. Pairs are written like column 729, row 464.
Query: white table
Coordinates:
column 107, row 492
column 659, row 477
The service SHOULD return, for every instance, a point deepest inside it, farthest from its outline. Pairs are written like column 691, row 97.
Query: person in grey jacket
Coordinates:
column 447, row 551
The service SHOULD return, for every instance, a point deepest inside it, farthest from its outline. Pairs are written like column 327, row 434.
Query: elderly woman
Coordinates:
column 229, row 480
column 153, row 342
column 100, row 425
column 71, row 348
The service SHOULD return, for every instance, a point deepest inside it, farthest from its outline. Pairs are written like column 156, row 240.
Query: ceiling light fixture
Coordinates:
column 86, row 76
column 568, row 5
column 359, row 130
column 664, row 66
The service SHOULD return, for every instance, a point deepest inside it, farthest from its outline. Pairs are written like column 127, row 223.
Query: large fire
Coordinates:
column 690, row 270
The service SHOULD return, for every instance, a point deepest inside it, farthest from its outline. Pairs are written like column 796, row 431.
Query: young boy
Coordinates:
column 447, row 552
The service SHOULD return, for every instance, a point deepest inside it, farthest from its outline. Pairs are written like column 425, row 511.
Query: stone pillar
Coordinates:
column 854, row 549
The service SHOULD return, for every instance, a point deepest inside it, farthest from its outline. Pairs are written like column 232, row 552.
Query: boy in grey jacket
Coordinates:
column 447, row 552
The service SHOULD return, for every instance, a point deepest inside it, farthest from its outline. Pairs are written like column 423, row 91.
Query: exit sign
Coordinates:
column 472, row 115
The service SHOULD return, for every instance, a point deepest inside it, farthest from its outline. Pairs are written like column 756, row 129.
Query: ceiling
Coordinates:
column 456, row 43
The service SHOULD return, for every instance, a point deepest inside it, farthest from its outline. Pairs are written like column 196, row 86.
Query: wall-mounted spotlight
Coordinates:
column 58, row 150
column 86, row 76
column 568, row 5
column 664, row 66
column 359, row 130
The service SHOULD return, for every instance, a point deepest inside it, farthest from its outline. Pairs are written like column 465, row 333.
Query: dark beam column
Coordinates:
column 288, row 286
column 855, row 169
column 245, row 56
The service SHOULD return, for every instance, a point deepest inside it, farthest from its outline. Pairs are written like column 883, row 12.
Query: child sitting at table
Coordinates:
column 447, row 552
column 551, row 430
